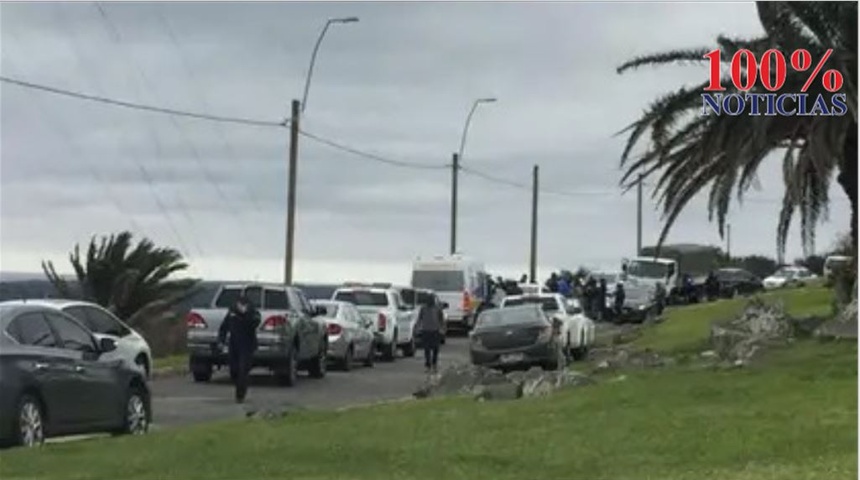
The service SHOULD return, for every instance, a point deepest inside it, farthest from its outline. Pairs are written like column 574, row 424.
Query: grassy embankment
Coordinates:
column 791, row 417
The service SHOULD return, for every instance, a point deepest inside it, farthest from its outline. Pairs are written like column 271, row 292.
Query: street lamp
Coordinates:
column 297, row 108
column 316, row 49
column 455, row 167
column 469, row 121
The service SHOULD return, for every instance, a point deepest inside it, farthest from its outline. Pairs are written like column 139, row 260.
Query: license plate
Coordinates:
column 512, row 358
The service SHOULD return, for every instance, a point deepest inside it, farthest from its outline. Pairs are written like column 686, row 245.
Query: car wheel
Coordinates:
column 201, row 370
column 31, row 426
column 389, row 352
column 346, row 361
column 409, row 348
column 137, row 413
column 371, row 355
column 319, row 364
column 287, row 373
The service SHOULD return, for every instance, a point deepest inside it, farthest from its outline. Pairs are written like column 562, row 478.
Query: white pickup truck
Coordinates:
column 577, row 330
column 289, row 338
column 393, row 321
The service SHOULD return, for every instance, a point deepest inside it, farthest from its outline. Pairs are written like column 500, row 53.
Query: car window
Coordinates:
column 96, row 320
column 72, row 336
column 32, row 329
column 276, row 300
column 255, row 296
column 303, row 302
column 362, row 298
column 227, row 297
column 408, row 296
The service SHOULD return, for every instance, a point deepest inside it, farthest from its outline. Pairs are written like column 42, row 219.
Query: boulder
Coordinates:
column 759, row 325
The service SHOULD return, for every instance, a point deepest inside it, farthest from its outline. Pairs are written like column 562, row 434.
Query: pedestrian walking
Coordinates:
column 620, row 297
column 601, row 294
column 430, row 321
column 238, row 332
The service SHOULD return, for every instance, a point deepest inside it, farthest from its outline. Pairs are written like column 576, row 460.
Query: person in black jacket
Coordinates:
column 240, row 323
column 431, row 320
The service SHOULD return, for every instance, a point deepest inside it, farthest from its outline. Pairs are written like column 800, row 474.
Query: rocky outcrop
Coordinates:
column 760, row 325
column 621, row 357
column 487, row 384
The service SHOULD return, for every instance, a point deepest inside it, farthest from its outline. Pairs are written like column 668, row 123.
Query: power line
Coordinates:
column 502, row 181
column 371, row 156
column 138, row 106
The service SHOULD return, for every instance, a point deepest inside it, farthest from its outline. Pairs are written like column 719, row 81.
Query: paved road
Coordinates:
column 179, row 401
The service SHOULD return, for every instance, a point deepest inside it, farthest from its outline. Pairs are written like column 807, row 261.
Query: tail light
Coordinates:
column 381, row 322
column 467, row 301
column 194, row 320
column 334, row 329
column 275, row 322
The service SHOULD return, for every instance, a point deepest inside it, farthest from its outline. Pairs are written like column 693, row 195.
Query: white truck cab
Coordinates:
column 458, row 280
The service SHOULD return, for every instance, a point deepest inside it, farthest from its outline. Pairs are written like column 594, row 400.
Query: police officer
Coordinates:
column 240, row 324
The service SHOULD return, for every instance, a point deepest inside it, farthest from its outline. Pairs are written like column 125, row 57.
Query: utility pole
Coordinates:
column 455, row 167
column 533, row 253
column 639, row 216
column 291, row 193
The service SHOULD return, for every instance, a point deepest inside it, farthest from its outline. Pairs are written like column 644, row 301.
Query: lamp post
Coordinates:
column 455, row 167
column 296, row 110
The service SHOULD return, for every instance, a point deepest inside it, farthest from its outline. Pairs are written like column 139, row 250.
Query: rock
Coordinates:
column 708, row 354
column 503, row 391
column 267, row 413
column 806, row 326
column 602, row 365
column 759, row 325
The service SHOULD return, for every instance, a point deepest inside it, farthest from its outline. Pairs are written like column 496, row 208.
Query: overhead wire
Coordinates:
column 371, row 156
column 133, row 157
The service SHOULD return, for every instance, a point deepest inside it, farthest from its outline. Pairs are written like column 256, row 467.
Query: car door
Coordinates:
column 95, row 383
column 52, row 369
column 104, row 325
column 308, row 329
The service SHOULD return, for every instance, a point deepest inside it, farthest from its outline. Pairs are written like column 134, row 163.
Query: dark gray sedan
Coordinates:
column 515, row 338
column 52, row 382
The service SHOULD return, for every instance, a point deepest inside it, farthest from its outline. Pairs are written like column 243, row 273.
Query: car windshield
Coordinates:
column 547, row 304
column 362, row 298
column 509, row 316
column 439, row 280
column 425, row 298
column 784, row 273
column 646, row 269
column 329, row 308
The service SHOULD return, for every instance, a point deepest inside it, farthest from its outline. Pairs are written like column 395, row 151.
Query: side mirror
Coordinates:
column 445, row 305
column 107, row 345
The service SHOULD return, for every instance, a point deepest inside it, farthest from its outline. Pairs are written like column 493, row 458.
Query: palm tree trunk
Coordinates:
column 847, row 177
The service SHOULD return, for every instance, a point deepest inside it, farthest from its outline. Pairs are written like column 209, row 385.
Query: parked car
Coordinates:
column 639, row 303
column 349, row 335
column 737, row 281
column 576, row 330
column 289, row 337
column 393, row 321
column 788, row 277
column 53, row 382
column 424, row 296
column 131, row 347
column 515, row 338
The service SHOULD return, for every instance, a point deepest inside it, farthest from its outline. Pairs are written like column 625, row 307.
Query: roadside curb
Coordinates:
column 375, row 404
column 167, row 372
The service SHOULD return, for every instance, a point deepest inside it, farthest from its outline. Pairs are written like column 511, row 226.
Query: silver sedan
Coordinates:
column 350, row 336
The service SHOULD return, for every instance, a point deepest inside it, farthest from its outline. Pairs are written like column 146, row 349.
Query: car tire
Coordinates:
column 371, row 356
column 389, row 352
column 30, row 425
column 319, row 364
column 409, row 349
column 137, row 413
column 346, row 361
column 287, row 373
column 201, row 370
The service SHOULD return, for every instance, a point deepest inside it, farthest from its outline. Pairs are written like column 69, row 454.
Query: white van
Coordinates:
column 834, row 263
column 459, row 281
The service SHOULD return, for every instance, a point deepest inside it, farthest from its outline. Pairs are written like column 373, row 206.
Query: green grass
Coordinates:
column 792, row 417
column 685, row 329
column 171, row 361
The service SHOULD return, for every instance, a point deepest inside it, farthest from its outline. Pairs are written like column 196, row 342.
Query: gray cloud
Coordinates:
column 398, row 84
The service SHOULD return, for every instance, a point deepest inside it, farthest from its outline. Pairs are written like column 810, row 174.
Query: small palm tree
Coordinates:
column 689, row 151
column 130, row 280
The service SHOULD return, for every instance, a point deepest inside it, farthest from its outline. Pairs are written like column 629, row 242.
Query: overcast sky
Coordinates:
column 397, row 84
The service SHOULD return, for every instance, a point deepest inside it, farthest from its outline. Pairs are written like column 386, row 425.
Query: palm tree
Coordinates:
column 689, row 151
column 131, row 281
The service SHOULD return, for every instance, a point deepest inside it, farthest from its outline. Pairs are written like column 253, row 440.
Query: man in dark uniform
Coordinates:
column 240, row 323
column 601, row 294
column 620, row 297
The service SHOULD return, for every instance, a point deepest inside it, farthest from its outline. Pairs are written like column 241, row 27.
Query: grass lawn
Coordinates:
column 172, row 361
column 685, row 329
column 792, row 417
